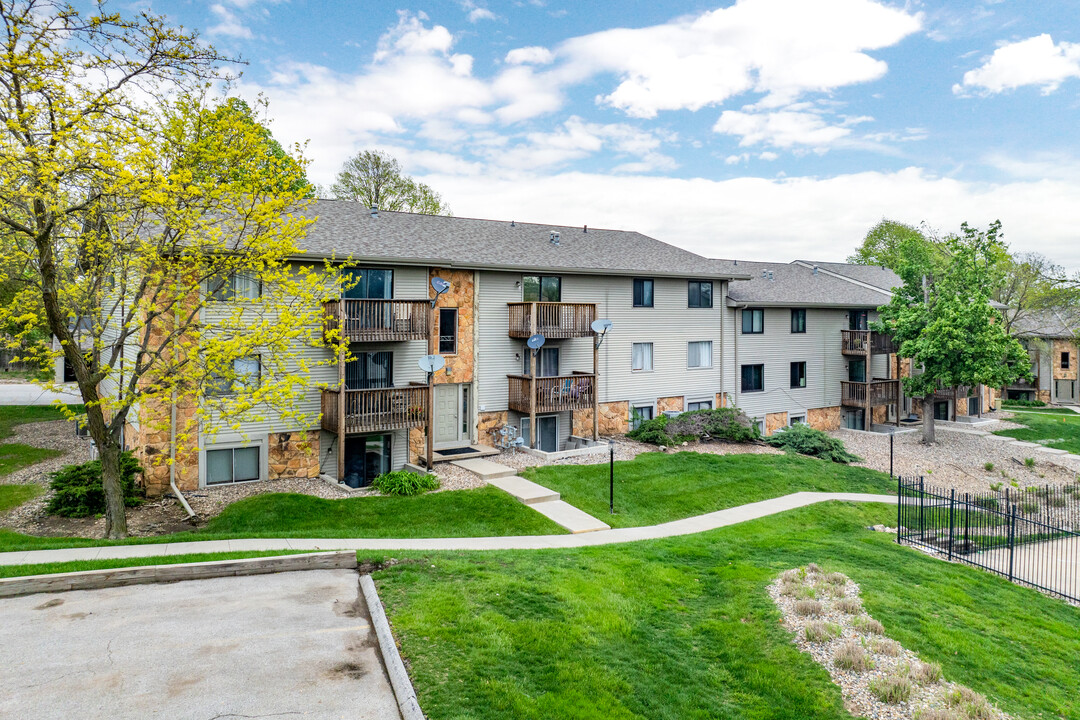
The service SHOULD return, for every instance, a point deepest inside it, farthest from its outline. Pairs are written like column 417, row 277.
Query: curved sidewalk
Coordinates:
column 687, row 526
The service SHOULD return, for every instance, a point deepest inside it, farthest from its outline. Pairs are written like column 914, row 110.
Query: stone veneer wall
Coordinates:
column 614, row 418
column 152, row 445
column 1064, row 346
column 417, row 444
column 292, row 455
column 721, row 400
column 879, row 415
column 462, row 296
column 669, row 404
column 486, row 422
column 775, row 421
column 824, row 418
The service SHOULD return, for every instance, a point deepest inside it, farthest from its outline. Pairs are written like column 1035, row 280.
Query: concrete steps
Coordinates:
column 524, row 491
column 486, row 469
column 565, row 514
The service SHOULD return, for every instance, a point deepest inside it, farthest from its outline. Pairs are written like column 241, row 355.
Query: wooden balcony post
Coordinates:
column 430, row 460
column 341, row 394
column 532, row 380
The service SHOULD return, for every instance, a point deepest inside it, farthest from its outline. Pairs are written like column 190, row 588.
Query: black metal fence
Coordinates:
column 1030, row 536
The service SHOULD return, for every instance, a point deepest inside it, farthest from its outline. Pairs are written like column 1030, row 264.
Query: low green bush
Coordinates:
column 729, row 424
column 1023, row 403
column 79, row 490
column 805, row 440
column 403, row 482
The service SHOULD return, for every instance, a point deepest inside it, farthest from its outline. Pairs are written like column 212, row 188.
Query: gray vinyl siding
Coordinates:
column 819, row 347
column 410, row 283
column 669, row 325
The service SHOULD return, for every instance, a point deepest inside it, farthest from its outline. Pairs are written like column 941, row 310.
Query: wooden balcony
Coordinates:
column 376, row 410
column 553, row 394
column 872, row 394
column 865, row 342
column 553, row 320
column 960, row 392
column 377, row 320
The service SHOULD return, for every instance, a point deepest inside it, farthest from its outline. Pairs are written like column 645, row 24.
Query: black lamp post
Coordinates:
column 611, row 476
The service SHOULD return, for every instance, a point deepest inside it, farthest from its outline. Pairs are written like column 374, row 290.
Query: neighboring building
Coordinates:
column 800, row 349
column 1050, row 337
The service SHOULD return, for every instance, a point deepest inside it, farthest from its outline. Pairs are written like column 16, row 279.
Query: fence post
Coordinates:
column 922, row 511
column 899, row 505
column 1012, row 541
column 967, row 521
column 952, row 504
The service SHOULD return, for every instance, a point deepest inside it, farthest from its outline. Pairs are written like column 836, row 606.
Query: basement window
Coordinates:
column 232, row 465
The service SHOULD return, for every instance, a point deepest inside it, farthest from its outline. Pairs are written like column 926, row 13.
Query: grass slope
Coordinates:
column 1057, row 430
column 682, row 628
column 12, row 415
column 460, row 513
column 657, row 487
column 12, row 496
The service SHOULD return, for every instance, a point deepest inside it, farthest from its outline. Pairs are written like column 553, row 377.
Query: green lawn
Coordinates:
column 460, row 513
column 1059, row 429
column 657, row 487
column 12, row 415
column 12, row 496
column 682, row 628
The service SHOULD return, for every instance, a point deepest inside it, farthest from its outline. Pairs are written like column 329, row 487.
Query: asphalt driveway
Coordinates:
column 296, row 644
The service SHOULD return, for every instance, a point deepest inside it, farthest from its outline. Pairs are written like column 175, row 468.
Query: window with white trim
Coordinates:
column 222, row 288
column 699, row 354
column 641, row 357
column 245, row 378
column 701, row 405
column 640, row 414
column 233, row 465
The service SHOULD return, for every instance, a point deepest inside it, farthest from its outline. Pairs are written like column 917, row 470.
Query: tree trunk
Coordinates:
column 115, row 517
column 928, row 420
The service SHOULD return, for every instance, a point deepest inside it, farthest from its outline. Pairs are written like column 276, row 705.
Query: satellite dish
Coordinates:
column 440, row 285
column 431, row 363
column 601, row 326
column 535, row 342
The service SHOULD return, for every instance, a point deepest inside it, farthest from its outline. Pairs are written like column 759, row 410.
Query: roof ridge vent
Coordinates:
column 815, row 269
column 374, row 211
column 555, row 237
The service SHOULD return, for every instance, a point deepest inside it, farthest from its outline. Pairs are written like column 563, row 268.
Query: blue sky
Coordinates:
column 758, row 129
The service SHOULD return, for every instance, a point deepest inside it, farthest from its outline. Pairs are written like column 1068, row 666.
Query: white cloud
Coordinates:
column 229, row 25
column 476, row 13
column 780, row 48
column 533, row 55
column 778, row 218
column 768, row 156
column 1035, row 61
column 784, row 128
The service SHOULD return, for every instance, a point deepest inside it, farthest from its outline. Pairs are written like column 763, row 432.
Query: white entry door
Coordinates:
column 449, row 409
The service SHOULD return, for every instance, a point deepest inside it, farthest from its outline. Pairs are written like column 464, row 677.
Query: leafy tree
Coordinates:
column 129, row 202
column 947, row 326
column 892, row 244
column 374, row 178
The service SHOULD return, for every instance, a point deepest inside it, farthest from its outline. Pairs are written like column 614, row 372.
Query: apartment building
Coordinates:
column 1050, row 337
column 799, row 348
column 507, row 282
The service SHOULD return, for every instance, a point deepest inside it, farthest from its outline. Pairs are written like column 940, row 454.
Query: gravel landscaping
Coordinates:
column 878, row 677
column 961, row 457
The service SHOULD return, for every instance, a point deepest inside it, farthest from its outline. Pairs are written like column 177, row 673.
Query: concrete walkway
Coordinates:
column 544, row 501
column 687, row 526
column 31, row 394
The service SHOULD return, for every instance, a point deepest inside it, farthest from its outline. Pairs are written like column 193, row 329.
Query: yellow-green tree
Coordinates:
column 154, row 233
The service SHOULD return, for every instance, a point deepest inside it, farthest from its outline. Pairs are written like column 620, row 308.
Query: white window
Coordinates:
column 244, row 378
column 702, row 405
column 699, row 354
column 796, row 420
column 642, row 357
column 639, row 414
column 232, row 465
column 236, row 285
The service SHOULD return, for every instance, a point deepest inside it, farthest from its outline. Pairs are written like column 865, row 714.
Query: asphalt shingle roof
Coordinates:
column 879, row 277
column 347, row 229
column 795, row 285
column 1048, row 324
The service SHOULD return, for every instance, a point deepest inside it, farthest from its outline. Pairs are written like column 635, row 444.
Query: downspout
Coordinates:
column 172, row 459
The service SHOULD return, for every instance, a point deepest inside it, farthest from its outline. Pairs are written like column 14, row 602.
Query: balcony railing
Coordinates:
column 959, row 392
column 553, row 394
column 874, row 393
column 377, row 320
column 376, row 409
column 857, row 342
column 554, row 320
